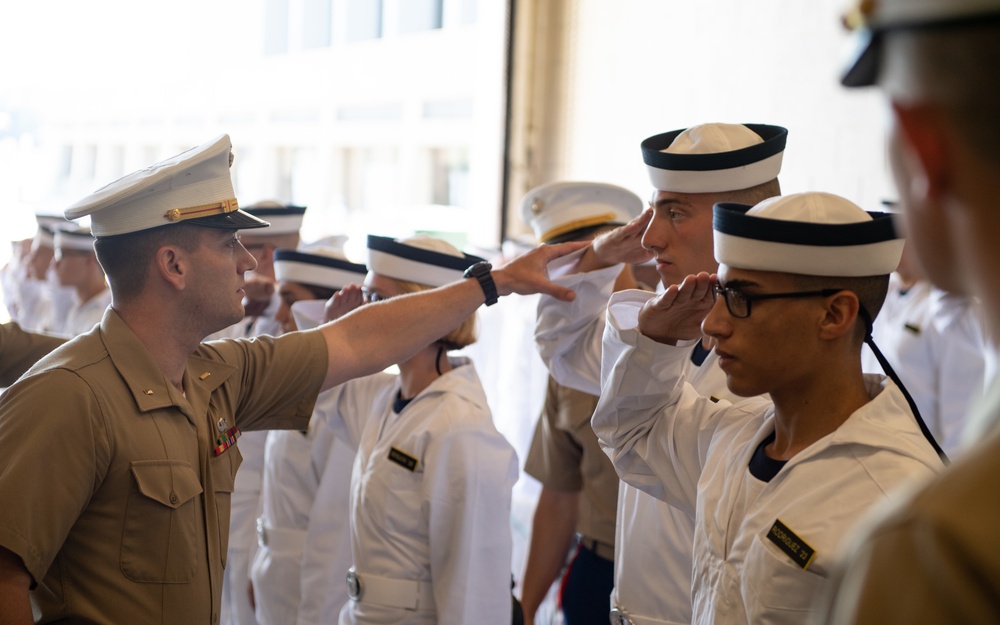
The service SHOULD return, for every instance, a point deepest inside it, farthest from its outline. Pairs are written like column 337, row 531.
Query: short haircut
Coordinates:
column 871, row 292
column 126, row 258
column 753, row 195
column 462, row 336
column 955, row 69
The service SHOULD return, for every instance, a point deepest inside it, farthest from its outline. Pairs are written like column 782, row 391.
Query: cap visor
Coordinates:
column 863, row 69
column 236, row 220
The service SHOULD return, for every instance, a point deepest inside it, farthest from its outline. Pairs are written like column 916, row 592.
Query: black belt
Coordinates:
column 598, row 548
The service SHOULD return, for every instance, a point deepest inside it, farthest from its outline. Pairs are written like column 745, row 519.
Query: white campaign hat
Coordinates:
column 873, row 19
column 192, row 187
column 284, row 218
column 814, row 234
column 420, row 259
column 326, row 268
column 74, row 239
column 714, row 158
column 557, row 210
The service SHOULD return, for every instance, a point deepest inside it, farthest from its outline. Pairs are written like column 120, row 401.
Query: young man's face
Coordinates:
column 680, row 234
column 289, row 293
column 766, row 351
column 217, row 282
column 73, row 266
column 937, row 243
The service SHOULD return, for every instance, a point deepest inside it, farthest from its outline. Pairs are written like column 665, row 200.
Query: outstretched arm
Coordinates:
column 375, row 336
column 15, row 608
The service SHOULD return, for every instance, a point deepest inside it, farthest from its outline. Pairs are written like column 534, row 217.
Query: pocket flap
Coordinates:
column 170, row 482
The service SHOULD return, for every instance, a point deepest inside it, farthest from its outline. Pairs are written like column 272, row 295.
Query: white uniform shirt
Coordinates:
column 653, row 539
column 82, row 317
column 446, row 522
column 246, row 504
column 304, row 537
column 933, row 340
column 694, row 451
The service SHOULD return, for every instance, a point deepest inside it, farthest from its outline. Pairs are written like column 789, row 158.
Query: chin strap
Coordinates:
column 889, row 371
column 437, row 360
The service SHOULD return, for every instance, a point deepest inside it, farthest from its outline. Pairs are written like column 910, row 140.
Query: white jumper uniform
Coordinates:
column 694, row 451
column 82, row 317
column 303, row 529
column 430, row 502
column 934, row 342
column 246, row 504
column 653, row 539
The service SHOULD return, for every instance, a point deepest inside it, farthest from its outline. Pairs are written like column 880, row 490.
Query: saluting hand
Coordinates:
column 621, row 245
column 528, row 273
column 343, row 301
column 677, row 313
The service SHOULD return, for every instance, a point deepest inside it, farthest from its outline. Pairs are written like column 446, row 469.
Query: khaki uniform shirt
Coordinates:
column 19, row 350
column 113, row 495
column 935, row 558
column 566, row 456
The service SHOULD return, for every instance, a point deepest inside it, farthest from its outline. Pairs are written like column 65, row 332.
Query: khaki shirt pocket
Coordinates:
column 161, row 534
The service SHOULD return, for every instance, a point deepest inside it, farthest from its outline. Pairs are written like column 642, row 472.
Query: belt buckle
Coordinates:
column 354, row 589
column 620, row 617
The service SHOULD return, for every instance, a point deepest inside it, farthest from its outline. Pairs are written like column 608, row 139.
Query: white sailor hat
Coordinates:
column 323, row 267
column 714, row 158
column 70, row 238
column 558, row 211
column 193, row 187
column 47, row 226
column 284, row 218
column 420, row 259
column 873, row 18
column 814, row 234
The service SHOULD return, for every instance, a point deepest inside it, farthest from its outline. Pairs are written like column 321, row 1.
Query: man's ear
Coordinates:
column 172, row 265
column 841, row 314
column 925, row 146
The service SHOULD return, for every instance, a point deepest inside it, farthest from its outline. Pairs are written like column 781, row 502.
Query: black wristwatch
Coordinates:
column 481, row 272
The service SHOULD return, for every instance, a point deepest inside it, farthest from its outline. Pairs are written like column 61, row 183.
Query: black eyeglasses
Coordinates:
column 368, row 296
column 738, row 302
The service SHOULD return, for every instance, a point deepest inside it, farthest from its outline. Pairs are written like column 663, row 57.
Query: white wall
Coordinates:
column 636, row 68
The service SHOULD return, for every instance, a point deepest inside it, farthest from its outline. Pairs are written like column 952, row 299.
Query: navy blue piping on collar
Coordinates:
column 420, row 255
column 774, row 143
column 730, row 218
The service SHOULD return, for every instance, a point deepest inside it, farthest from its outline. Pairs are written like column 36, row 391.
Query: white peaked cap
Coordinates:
column 192, row 187
column 873, row 19
column 815, row 234
column 714, row 158
column 420, row 259
column 557, row 209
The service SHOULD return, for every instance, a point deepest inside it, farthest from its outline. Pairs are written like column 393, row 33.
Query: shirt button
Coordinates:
column 173, row 498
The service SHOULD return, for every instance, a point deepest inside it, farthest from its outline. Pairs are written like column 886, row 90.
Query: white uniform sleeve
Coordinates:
column 346, row 408
column 960, row 362
column 568, row 334
column 469, row 527
column 655, row 427
column 327, row 553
